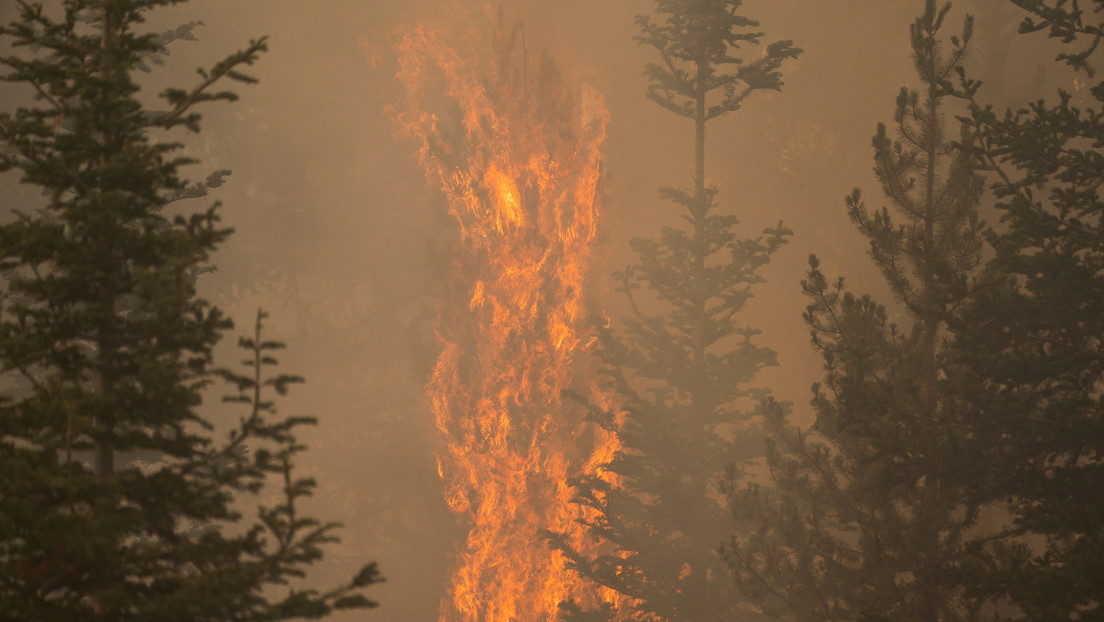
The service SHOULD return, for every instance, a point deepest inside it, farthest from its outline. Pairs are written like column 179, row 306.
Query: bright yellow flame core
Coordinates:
column 520, row 172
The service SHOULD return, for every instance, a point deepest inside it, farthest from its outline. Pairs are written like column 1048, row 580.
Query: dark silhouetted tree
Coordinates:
column 682, row 363
column 867, row 515
column 107, row 349
column 1032, row 339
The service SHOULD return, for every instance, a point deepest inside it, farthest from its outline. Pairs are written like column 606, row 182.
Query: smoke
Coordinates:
column 340, row 238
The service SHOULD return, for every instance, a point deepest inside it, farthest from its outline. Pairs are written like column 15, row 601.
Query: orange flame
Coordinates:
column 517, row 154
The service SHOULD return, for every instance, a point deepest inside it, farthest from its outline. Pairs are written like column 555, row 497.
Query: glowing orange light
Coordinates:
column 516, row 152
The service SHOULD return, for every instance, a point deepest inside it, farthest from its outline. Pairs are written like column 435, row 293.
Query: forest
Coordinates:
column 586, row 311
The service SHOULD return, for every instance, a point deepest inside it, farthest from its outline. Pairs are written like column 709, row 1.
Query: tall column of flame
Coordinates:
column 516, row 152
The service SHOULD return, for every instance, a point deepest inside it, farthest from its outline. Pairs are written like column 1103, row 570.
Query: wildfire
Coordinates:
column 516, row 151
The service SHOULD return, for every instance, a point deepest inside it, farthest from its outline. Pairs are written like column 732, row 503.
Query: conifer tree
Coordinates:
column 867, row 514
column 1031, row 342
column 682, row 361
column 106, row 349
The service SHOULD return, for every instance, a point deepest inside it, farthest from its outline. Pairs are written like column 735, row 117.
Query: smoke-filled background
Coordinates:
column 341, row 238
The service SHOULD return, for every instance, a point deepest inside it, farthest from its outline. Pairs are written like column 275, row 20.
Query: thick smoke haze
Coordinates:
column 342, row 240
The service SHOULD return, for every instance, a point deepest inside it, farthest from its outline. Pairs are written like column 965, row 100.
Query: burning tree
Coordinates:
column 675, row 378
column 515, row 149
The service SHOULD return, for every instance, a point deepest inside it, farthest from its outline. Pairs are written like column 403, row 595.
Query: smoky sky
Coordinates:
column 339, row 236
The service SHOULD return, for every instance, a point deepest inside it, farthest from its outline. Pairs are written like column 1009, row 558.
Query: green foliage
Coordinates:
column 1031, row 340
column 868, row 515
column 680, row 366
column 117, row 500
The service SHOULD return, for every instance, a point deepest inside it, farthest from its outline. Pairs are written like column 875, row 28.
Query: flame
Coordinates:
column 516, row 152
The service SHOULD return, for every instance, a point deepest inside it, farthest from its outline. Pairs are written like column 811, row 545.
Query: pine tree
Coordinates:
column 1032, row 340
column 106, row 349
column 866, row 515
column 678, row 374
